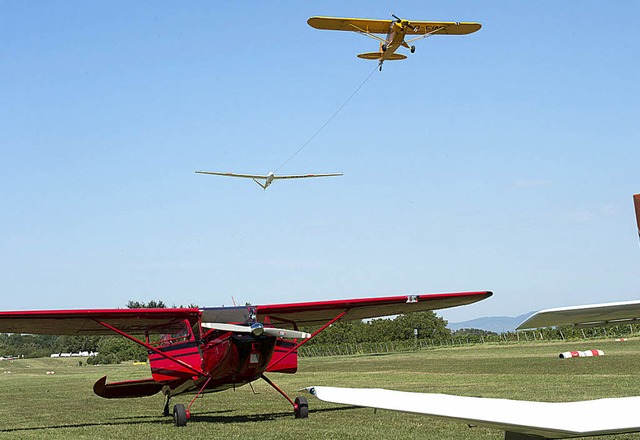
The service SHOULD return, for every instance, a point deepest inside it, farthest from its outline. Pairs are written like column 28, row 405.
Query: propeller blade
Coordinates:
column 394, row 16
column 255, row 329
column 283, row 333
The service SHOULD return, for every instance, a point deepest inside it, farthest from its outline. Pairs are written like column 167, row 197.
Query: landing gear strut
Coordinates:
column 300, row 406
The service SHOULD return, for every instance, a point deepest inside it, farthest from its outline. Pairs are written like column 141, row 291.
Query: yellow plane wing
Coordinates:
column 373, row 26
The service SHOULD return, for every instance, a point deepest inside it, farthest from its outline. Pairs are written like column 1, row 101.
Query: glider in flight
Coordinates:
column 395, row 31
column 201, row 350
column 268, row 178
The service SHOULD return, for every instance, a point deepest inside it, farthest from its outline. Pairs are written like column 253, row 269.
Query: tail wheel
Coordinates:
column 413, row 49
column 301, row 408
column 179, row 415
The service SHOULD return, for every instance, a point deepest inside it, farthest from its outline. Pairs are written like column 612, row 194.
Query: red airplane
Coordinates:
column 199, row 350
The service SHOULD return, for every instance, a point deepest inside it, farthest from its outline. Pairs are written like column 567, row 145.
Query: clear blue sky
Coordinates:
column 504, row 160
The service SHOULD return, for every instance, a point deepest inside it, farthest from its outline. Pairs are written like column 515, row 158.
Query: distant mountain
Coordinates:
column 497, row 324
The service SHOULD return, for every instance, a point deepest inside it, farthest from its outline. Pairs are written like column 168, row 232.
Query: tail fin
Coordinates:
column 636, row 202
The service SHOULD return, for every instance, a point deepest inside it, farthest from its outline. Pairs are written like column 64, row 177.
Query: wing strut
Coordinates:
column 428, row 34
column 367, row 34
column 154, row 349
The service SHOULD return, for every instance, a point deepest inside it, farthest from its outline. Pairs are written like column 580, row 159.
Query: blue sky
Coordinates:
column 504, row 160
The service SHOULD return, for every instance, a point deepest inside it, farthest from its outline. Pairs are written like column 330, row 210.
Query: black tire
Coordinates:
column 413, row 49
column 384, row 47
column 302, row 408
column 179, row 415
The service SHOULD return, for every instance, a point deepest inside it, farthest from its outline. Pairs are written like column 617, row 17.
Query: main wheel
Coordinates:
column 384, row 47
column 301, row 408
column 413, row 49
column 179, row 415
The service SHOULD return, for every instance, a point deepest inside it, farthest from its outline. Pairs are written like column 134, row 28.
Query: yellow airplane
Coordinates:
column 395, row 31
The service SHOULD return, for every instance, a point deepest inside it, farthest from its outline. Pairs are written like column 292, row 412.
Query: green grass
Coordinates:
column 36, row 405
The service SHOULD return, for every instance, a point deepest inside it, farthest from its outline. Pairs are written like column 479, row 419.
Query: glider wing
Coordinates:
column 248, row 176
column 593, row 315
column 531, row 420
column 304, row 176
column 320, row 312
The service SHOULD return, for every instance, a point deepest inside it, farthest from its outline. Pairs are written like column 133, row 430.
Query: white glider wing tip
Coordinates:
column 304, row 176
column 615, row 313
column 529, row 419
column 247, row 176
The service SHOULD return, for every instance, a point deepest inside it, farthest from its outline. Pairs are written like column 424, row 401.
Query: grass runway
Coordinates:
column 36, row 405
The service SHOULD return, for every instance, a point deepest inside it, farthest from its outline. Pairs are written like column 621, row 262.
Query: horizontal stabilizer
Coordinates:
column 129, row 388
column 378, row 55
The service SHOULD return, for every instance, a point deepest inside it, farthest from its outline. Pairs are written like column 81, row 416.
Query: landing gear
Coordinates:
column 301, row 408
column 383, row 47
column 179, row 415
column 413, row 49
column 380, row 67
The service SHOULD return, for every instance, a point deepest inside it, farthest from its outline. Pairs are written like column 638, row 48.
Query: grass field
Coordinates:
column 36, row 405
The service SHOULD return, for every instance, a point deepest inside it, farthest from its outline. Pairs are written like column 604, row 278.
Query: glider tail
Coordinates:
column 263, row 186
column 636, row 203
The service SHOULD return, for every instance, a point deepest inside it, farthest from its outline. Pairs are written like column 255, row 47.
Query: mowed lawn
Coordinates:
column 62, row 405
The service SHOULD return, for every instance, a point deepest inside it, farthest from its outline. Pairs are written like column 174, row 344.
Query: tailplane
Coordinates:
column 129, row 388
column 378, row 55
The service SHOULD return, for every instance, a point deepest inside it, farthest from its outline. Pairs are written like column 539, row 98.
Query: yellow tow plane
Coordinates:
column 395, row 31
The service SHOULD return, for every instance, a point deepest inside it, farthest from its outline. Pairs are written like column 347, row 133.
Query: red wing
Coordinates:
column 86, row 322
column 320, row 312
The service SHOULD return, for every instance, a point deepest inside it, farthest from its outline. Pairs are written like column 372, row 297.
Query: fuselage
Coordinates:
column 230, row 359
column 395, row 39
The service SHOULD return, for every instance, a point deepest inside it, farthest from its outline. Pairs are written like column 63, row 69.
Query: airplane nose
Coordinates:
column 257, row 329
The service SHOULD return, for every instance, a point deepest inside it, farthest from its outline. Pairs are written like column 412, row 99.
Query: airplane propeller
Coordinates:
column 406, row 22
column 257, row 329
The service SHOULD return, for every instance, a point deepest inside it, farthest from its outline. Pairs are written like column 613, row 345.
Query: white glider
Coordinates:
column 521, row 420
column 268, row 178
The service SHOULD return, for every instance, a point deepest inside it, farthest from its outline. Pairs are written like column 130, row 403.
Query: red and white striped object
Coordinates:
column 586, row 353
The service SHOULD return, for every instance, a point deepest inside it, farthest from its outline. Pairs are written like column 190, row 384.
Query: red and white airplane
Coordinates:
column 199, row 350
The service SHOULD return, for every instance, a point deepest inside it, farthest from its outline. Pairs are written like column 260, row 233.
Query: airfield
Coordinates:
column 61, row 405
